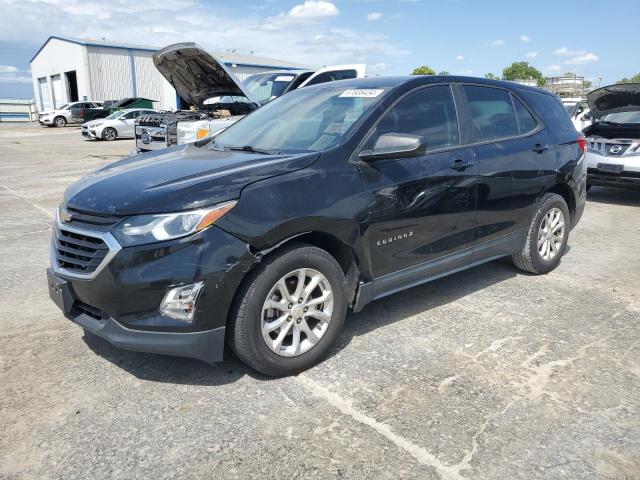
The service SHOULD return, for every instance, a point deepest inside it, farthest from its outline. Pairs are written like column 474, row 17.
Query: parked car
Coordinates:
column 613, row 155
column 120, row 124
column 218, row 97
column 579, row 112
column 321, row 201
column 85, row 115
column 60, row 117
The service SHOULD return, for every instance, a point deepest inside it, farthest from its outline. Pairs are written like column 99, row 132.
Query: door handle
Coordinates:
column 539, row 148
column 460, row 164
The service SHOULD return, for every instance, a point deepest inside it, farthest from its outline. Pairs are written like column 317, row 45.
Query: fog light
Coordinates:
column 180, row 302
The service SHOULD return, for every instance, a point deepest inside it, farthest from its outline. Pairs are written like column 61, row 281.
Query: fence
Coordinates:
column 12, row 110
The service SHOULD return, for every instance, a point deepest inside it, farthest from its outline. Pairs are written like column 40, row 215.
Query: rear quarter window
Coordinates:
column 550, row 110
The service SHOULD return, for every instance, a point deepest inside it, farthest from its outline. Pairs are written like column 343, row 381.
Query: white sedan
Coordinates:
column 120, row 124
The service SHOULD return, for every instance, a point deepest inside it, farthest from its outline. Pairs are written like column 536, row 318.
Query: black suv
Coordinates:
column 321, row 201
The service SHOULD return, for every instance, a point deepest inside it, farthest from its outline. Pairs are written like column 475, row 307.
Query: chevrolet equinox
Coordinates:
column 321, row 201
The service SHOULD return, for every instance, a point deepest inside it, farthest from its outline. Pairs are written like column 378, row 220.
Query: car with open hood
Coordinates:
column 217, row 97
column 613, row 155
column 321, row 201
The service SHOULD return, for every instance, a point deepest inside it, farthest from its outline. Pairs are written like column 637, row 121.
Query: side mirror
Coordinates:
column 394, row 145
column 586, row 117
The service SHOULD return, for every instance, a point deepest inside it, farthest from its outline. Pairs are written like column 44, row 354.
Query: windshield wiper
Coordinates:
column 250, row 149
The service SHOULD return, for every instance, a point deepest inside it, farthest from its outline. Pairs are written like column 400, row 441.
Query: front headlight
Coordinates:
column 188, row 132
column 142, row 229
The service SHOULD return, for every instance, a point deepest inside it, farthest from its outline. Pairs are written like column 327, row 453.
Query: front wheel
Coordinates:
column 547, row 236
column 289, row 311
column 109, row 134
column 59, row 122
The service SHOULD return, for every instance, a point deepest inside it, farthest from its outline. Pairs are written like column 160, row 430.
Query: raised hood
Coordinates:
column 624, row 97
column 195, row 74
column 175, row 179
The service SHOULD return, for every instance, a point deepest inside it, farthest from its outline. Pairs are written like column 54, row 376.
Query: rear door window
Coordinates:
column 429, row 113
column 526, row 122
column 492, row 115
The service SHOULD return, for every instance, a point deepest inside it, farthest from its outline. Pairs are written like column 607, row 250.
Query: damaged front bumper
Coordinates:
column 121, row 303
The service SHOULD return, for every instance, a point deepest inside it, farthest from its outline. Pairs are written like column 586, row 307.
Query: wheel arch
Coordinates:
column 564, row 190
column 344, row 254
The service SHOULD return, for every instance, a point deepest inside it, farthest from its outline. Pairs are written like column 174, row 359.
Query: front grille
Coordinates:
column 79, row 218
column 612, row 148
column 78, row 253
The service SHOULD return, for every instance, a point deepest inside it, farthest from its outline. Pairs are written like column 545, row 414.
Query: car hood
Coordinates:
column 177, row 178
column 52, row 112
column 197, row 75
column 624, row 97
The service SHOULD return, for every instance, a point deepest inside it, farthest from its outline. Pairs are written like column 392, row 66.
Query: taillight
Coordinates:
column 582, row 144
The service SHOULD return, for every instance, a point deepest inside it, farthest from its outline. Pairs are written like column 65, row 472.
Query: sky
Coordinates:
column 466, row 37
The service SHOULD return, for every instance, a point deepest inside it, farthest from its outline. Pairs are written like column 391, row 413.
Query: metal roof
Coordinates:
column 227, row 57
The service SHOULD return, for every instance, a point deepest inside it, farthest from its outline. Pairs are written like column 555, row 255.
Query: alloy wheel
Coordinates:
column 297, row 312
column 109, row 134
column 551, row 234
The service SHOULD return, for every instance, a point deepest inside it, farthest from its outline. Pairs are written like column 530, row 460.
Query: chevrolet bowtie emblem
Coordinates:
column 65, row 215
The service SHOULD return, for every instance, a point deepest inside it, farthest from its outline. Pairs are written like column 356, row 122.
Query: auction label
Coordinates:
column 362, row 93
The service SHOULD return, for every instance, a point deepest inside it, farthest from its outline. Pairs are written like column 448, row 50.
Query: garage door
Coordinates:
column 56, row 83
column 43, row 87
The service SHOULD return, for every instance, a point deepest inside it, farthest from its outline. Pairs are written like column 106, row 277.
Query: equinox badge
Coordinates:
column 400, row 236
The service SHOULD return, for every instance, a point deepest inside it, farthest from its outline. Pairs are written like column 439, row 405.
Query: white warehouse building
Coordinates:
column 67, row 70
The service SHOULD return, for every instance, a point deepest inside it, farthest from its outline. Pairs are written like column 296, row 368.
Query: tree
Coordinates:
column 423, row 70
column 634, row 79
column 444, row 72
column 523, row 71
column 491, row 76
column 586, row 84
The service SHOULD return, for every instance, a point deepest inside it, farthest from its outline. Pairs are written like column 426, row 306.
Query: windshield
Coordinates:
column 569, row 107
column 266, row 86
column 307, row 120
column 64, row 107
column 622, row 117
column 114, row 115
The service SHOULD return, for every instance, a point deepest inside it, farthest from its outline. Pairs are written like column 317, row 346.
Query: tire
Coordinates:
column 109, row 134
column 245, row 327
column 531, row 258
column 60, row 122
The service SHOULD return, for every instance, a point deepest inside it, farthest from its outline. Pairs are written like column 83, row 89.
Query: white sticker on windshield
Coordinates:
column 362, row 93
column 283, row 78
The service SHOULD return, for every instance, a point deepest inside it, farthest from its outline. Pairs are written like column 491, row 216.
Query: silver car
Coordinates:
column 613, row 155
column 120, row 124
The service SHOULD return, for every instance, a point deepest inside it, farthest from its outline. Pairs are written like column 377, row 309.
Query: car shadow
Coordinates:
column 614, row 196
column 383, row 312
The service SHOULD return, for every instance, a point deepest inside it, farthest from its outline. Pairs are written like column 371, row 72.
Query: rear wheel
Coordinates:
column 59, row 122
column 109, row 134
column 290, row 311
column 547, row 236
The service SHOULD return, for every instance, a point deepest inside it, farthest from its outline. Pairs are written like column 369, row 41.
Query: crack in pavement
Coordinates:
column 448, row 472
column 21, row 197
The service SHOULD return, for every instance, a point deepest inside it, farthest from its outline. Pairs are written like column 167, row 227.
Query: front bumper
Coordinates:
column 121, row 302
column 207, row 345
column 45, row 121
column 613, row 171
column 90, row 133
